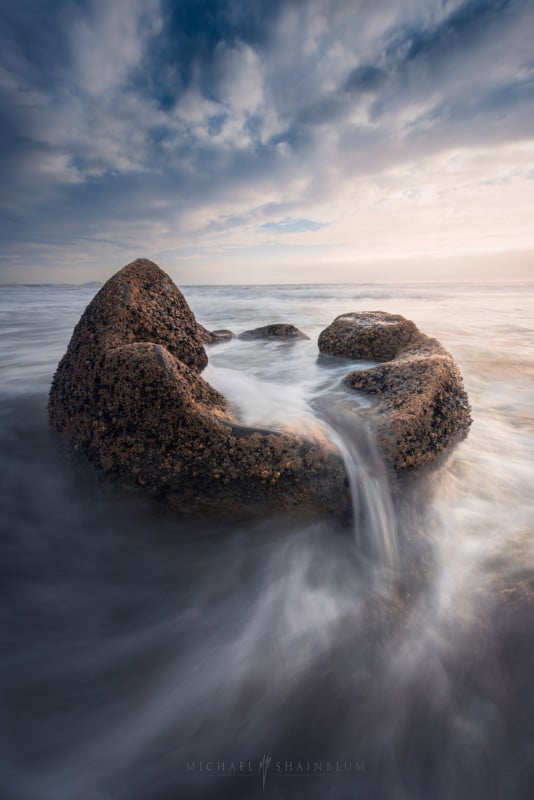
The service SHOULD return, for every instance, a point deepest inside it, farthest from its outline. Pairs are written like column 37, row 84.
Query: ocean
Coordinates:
column 151, row 656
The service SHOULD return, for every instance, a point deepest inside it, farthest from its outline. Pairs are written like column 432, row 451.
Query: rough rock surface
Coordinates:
column 128, row 395
column 367, row 335
column 421, row 405
column 279, row 330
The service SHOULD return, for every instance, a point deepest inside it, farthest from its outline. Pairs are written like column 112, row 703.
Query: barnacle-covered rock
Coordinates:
column 421, row 406
column 129, row 396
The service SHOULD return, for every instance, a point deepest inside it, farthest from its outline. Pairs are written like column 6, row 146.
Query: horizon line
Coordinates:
column 97, row 284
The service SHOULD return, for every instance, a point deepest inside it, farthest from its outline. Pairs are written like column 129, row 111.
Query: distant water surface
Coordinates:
column 139, row 648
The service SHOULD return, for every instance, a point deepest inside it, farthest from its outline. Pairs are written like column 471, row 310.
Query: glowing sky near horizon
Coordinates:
column 255, row 141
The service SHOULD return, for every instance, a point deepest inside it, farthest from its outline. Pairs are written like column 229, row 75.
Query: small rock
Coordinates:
column 216, row 337
column 221, row 336
column 280, row 330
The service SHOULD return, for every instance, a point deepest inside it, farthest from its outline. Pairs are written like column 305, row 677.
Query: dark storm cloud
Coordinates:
column 185, row 115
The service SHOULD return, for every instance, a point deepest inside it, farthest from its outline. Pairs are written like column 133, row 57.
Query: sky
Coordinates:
column 267, row 141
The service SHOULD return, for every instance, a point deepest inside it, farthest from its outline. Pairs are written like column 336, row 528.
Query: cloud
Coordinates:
column 364, row 79
column 208, row 124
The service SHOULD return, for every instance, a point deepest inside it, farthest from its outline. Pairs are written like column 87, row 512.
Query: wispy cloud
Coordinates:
column 208, row 128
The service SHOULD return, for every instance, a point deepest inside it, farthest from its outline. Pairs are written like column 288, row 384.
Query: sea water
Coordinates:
column 153, row 657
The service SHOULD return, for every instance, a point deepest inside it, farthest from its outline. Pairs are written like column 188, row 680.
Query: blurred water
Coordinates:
column 139, row 648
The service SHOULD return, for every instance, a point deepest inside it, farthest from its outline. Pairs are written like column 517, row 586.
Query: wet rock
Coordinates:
column 128, row 396
column 221, row 336
column 280, row 330
column 421, row 406
column 367, row 335
column 216, row 337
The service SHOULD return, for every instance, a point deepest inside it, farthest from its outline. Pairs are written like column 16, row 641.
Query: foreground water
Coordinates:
column 148, row 657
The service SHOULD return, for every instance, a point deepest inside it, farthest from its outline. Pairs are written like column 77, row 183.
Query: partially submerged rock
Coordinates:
column 279, row 330
column 421, row 406
column 217, row 337
column 128, row 395
column 221, row 336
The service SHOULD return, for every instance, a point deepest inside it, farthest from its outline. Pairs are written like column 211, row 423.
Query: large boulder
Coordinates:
column 421, row 406
column 129, row 396
column 367, row 335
